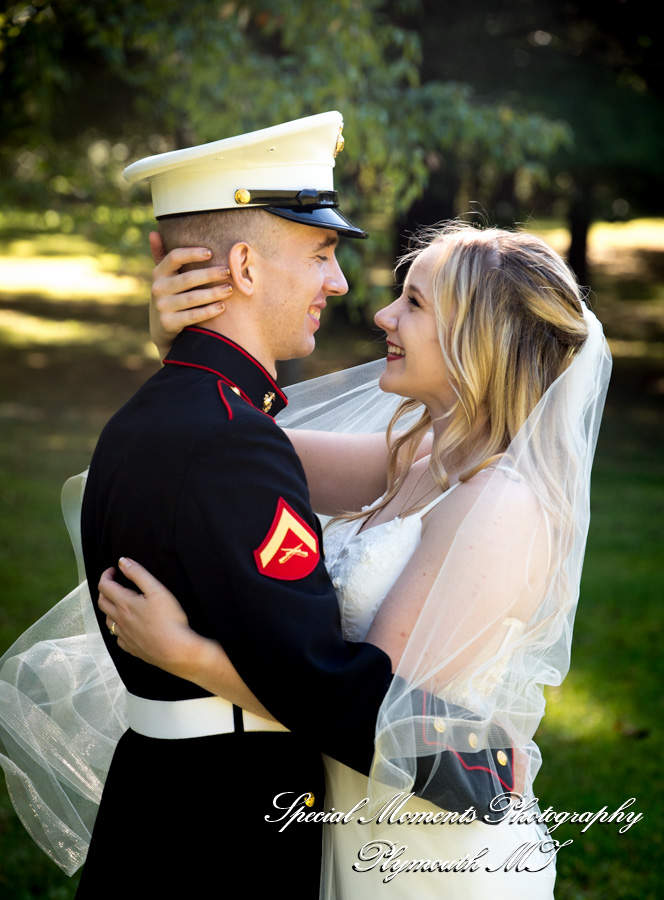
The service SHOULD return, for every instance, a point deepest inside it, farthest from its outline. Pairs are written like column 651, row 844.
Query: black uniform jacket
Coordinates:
column 192, row 478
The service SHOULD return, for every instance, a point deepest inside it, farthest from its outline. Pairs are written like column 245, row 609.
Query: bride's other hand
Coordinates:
column 181, row 298
column 153, row 626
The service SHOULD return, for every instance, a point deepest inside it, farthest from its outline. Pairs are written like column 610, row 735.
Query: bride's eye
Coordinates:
column 413, row 301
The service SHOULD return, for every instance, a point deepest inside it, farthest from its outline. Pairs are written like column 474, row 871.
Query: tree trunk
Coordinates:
column 437, row 205
column 580, row 217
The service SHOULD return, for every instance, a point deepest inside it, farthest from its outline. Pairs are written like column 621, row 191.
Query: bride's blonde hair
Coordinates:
column 510, row 319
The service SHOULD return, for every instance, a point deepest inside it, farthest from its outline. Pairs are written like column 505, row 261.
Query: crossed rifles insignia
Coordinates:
column 290, row 549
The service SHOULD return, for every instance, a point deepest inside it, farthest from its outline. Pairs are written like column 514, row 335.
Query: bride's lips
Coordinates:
column 394, row 352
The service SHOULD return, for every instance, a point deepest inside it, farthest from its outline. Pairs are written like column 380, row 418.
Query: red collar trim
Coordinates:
column 221, row 337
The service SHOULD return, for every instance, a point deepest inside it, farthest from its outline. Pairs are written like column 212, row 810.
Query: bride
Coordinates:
column 465, row 570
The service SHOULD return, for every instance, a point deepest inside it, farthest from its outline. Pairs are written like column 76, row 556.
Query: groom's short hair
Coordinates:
column 219, row 231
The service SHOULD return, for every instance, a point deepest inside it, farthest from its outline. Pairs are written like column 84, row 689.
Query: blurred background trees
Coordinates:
column 595, row 67
column 474, row 98
column 525, row 108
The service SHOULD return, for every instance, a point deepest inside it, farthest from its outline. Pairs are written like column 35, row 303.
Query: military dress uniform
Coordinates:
column 193, row 478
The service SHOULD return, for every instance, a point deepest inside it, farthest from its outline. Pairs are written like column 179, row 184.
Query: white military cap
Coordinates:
column 286, row 170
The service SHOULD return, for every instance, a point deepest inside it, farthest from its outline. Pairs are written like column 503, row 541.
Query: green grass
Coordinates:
column 601, row 738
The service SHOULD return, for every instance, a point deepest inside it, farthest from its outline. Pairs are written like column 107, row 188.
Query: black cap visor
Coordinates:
column 323, row 217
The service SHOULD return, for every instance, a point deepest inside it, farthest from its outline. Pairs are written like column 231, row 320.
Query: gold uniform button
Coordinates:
column 242, row 195
column 502, row 758
column 310, row 799
column 439, row 725
column 472, row 739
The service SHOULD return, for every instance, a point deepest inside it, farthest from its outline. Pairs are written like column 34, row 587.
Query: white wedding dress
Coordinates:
column 363, row 566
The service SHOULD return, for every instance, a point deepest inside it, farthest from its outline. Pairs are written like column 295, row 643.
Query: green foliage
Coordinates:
column 230, row 67
column 88, row 87
column 596, row 66
column 453, row 104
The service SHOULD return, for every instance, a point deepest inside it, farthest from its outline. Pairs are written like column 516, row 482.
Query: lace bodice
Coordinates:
column 364, row 565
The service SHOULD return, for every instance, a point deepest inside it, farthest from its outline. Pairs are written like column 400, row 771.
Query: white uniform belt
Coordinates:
column 173, row 719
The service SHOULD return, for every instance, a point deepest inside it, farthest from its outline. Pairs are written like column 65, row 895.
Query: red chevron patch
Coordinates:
column 290, row 550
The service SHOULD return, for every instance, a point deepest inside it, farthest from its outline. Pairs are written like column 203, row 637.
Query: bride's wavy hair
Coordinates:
column 510, row 319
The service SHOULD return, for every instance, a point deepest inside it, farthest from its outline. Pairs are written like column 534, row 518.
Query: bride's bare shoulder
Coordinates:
column 507, row 501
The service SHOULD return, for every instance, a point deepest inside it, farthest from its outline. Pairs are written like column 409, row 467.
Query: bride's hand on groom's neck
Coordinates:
column 181, row 298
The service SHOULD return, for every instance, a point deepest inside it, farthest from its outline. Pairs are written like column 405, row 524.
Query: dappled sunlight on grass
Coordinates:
column 22, row 330
column 59, row 265
column 626, row 261
column 71, row 277
column 574, row 711
column 556, row 236
column 640, row 234
column 636, row 349
column 620, row 249
column 49, row 245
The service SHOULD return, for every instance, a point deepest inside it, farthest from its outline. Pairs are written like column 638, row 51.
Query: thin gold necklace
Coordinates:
column 406, row 506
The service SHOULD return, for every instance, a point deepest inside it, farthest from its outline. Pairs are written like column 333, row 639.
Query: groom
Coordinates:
column 193, row 478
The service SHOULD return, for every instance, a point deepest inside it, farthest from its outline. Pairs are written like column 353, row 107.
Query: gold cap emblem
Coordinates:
column 242, row 195
column 268, row 400
column 340, row 142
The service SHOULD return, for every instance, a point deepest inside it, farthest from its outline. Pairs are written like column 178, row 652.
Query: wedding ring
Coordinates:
column 113, row 631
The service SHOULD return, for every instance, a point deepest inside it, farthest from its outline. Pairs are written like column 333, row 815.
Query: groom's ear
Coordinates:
column 157, row 248
column 243, row 263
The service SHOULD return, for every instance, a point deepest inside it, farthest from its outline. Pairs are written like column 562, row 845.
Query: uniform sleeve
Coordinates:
column 252, row 549
column 454, row 780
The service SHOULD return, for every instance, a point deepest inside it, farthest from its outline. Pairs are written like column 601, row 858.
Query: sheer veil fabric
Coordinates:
column 62, row 711
column 495, row 628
